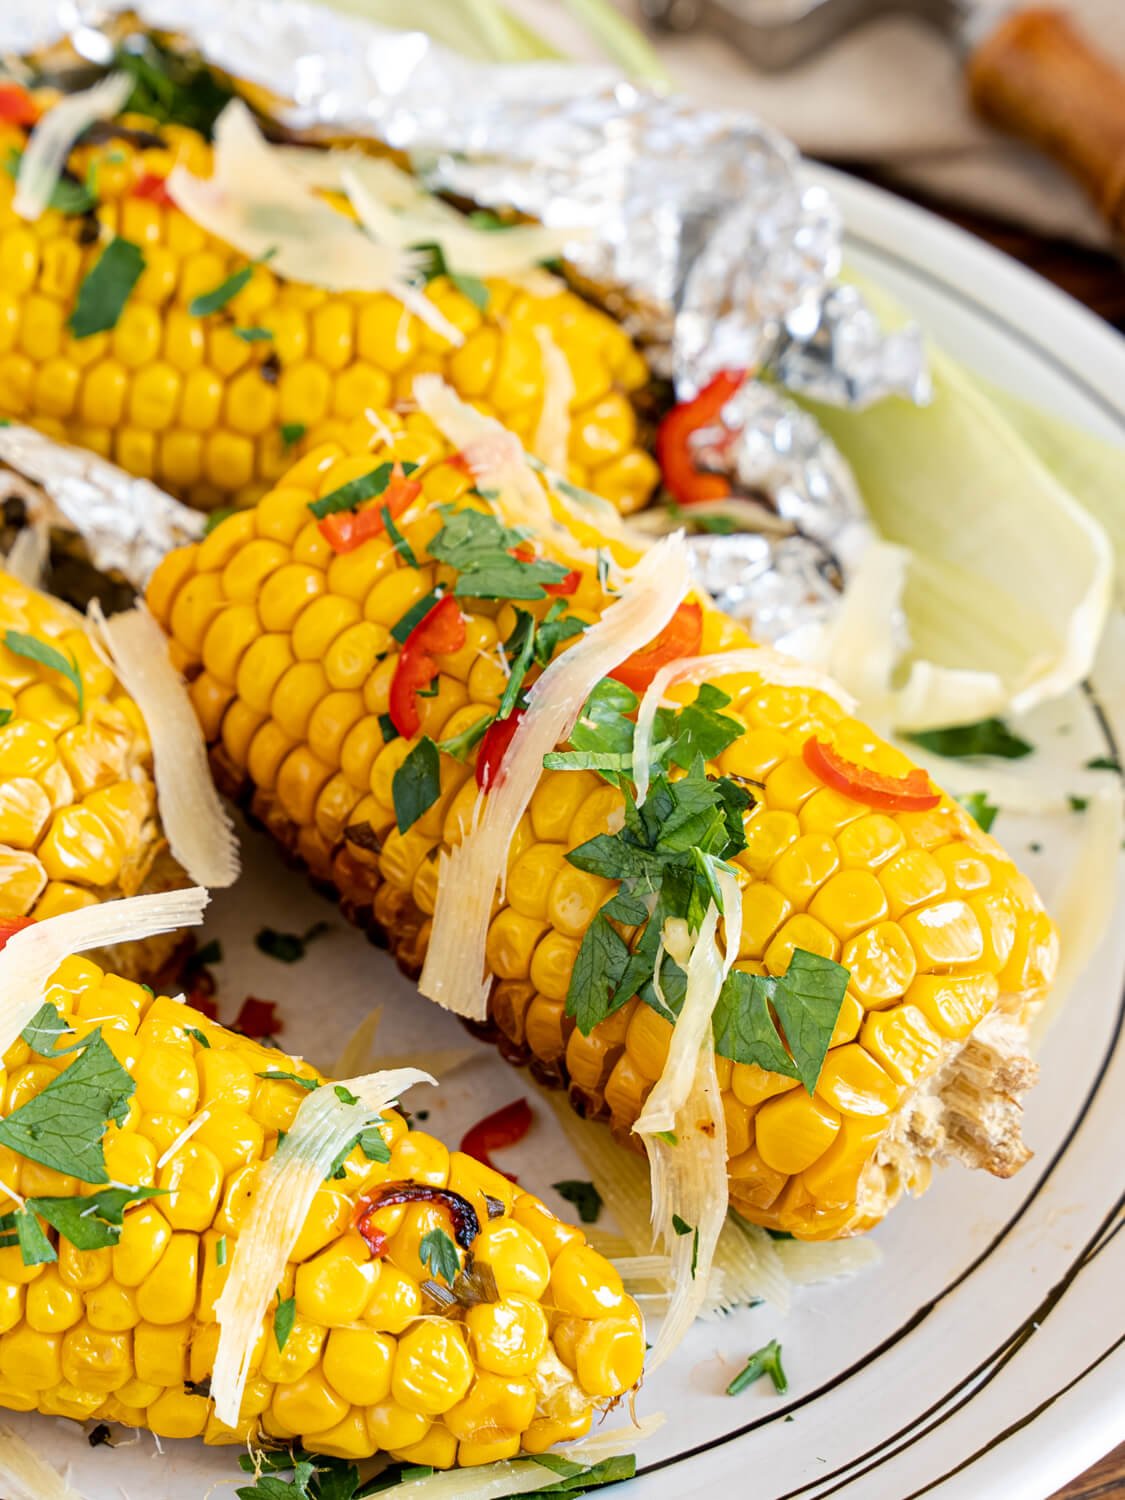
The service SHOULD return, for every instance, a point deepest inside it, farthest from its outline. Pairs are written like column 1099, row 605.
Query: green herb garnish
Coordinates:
column 806, row 1000
column 417, row 783
column 283, row 1319
column 438, row 1254
column 1078, row 804
column 980, row 809
column 473, row 288
column 401, row 545
column 252, row 335
column 288, row 947
column 94, row 1222
column 764, row 1361
column 356, row 491
column 461, row 745
column 292, row 433
column 33, row 649
column 681, row 1226
column 106, row 287
column 217, row 517
column 988, row 737
column 277, row 1075
column 171, row 87
column 415, row 615
column 480, row 548
column 221, row 1250
column 1104, row 763
column 63, row 1126
column 218, row 297
column 198, row 1036
column 585, row 1197
column 5, row 716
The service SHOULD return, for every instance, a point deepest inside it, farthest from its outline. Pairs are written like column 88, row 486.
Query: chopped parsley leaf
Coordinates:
column 764, row 1361
column 218, row 297
column 33, row 649
column 461, row 745
column 585, row 1197
column 252, row 335
column 292, row 433
column 93, row 1222
column 288, row 947
column 473, row 288
column 680, row 1226
column 416, row 785
column 438, row 1254
column 277, row 1075
column 401, row 545
column 356, row 491
column 1078, row 804
column 283, row 1320
column 806, row 999
column 1104, row 763
column 63, row 1126
column 221, row 1250
column 106, row 287
column 480, row 548
column 987, row 737
column 5, row 716
column 198, row 1036
column 980, row 809
column 415, row 615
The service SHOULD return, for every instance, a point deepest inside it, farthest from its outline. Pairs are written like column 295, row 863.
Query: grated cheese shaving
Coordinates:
column 773, row 667
column 199, row 831
column 808, row 1262
column 551, row 442
column 49, row 145
column 184, row 1136
column 323, row 1127
column 26, row 1476
column 32, row 955
column 454, row 973
column 522, row 1476
column 255, row 202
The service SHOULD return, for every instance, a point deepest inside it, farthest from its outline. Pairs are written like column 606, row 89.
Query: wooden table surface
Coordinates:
column 1099, row 282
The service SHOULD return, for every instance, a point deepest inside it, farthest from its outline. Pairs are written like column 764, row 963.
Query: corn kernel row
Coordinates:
column 128, row 1333
column 186, row 401
column 290, row 654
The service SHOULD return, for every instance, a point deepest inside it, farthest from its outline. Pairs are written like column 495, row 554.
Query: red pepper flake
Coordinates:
column 463, row 1216
column 201, row 998
column 376, row 1240
column 441, row 630
column 17, row 107
column 154, row 189
column 493, row 748
column 258, row 1019
column 345, row 530
column 11, row 927
column 689, row 483
column 460, row 462
column 913, row 792
column 505, row 1127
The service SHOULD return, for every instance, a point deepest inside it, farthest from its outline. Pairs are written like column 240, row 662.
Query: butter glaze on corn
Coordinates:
column 128, row 1334
column 78, row 816
column 290, row 655
column 186, row 402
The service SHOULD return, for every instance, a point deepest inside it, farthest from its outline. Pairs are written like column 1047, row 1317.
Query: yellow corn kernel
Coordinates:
column 167, row 1294
column 852, row 1082
column 584, row 1283
column 177, row 1414
column 112, row 1308
column 395, row 1302
column 518, row 1259
column 495, row 1404
column 29, row 1360
column 358, row 1364
column 160, row 1352
column 432, row 1368
column 193, row 1180
column 953, row 1004
column 83, row 1269
column 300, row 1354
column 881, row 963
column 903, row 1041
column 93, row 1360
column 792, row 1130
column 335, row 1286
column 508, row 1337
column 52, row 1306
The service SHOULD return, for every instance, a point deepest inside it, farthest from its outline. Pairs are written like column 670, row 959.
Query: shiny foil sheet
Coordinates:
column 691, row 225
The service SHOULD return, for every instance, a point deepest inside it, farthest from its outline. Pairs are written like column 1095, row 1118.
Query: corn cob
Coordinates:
column 128, row 1332
column 78, row 817
column 291, row 654
column 188, row 403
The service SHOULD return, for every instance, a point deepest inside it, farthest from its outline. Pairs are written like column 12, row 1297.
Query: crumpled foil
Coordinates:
column 127, row 524
column 691, row 225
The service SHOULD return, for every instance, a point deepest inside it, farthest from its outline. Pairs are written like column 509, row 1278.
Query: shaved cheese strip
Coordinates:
column 773, row 667
column 323, row 1127
column 199, row 830
column 32, row 955
column 45, row 155
column 254, row 202
column 689, row 1182
column 523, row 1476
column 26, row 1476
column 27, row 557
column 707, row 968
column 746, row 1254
column 1085, row 908
column 551, row 442
column 809, row 1262
column 455, row 970
column 184, row 1136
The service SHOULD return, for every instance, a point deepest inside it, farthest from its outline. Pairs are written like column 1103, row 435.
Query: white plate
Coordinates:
column 986, row 1355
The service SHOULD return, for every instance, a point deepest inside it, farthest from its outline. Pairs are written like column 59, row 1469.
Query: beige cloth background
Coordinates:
column 891, row 93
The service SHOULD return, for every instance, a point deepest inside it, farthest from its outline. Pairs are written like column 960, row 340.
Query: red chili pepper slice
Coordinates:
column 502, row 1128
column 200, row 998
column 462, row 1214
column 497, row 737
column 17, row 107
column 682, row 636
column 345, row 530
column 440, row 630
column 910, row 793
column 687, row 482
column 11, row 927
column 153, row 188
column 257, row 1019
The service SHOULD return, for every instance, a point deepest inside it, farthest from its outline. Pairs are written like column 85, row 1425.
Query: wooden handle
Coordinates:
column 1037, row 77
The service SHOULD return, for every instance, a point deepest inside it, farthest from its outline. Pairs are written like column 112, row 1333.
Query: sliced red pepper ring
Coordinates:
column 682, row 636
column 910, row 793
column 441, row 630
column 505, row 1127
column 153, row 188
column 345, row 530
column 17, row 107
column 11, row 927
column 688, row 483
column 497, row 737
column 462, row 1214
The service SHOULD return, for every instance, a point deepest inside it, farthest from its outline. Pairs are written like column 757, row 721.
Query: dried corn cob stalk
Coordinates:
column 508, row 1336
column 292, row 632
column 214, row 406
column 78, row 815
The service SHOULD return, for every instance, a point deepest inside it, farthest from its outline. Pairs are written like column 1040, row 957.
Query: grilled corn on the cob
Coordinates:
column 376, row 1359
column 216, row 417
column 293, row 653
column 78, row 815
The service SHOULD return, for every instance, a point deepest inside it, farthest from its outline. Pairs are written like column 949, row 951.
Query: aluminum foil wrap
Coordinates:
column 127, row 524
column 691, row 225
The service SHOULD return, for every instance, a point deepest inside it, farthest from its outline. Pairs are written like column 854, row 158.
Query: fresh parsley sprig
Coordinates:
column 63, row 1126
column 481, row 550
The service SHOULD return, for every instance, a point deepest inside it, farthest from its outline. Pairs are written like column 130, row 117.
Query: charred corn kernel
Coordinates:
column 897, row 898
